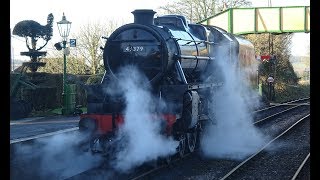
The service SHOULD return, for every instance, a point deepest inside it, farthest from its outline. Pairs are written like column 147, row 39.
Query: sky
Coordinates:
column 80, row 12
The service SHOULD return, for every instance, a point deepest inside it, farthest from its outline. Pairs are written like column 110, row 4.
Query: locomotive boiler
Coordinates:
column 179, row 60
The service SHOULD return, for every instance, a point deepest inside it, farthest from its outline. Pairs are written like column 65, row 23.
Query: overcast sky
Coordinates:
column 79, row 12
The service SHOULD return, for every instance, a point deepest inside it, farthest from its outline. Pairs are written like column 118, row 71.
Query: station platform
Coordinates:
column 37, row 126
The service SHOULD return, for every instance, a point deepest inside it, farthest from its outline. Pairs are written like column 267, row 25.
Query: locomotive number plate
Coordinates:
column 134, row 49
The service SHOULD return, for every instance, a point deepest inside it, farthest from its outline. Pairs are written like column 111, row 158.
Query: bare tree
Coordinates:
column 221, row 5
column 278, row 45
column 55, row 65
column 197, row 10
column 89, row 41
column 87, row 55
column 194, row 10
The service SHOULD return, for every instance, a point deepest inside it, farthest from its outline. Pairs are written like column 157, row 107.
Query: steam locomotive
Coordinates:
column 179, row 60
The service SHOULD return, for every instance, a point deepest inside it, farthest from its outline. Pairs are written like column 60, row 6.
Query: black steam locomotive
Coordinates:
column 179, row 60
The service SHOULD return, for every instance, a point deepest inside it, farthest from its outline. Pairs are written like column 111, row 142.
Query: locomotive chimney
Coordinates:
column 143, row 16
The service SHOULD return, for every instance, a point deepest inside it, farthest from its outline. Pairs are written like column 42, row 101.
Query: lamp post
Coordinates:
column 64, row 28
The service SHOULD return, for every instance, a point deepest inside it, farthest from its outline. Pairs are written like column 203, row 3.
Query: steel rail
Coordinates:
column 19, row 140
column 44, row 122
column 300, row 167
column 163, row 166
column 302, row 99
column 166, row 165
column 160, row 167
column 281, row 104
column 263, row 148
column 276, row 114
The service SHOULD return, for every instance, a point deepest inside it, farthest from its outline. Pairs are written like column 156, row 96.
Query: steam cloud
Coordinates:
column 62, row 153
column 141, row 132
column 140, row 137
column 57, row 157
column 233, row 135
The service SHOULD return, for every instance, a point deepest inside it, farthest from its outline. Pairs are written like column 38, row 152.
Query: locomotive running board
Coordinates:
column 175, row 92
column 186, row 87
column 201, row 86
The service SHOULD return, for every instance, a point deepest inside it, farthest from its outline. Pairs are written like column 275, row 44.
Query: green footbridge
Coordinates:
column 262, row 20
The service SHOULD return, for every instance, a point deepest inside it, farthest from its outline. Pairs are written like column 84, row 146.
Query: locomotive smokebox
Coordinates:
column 143, row 16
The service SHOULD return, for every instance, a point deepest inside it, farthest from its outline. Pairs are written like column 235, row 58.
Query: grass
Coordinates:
column 286, row 92
column 42, row 113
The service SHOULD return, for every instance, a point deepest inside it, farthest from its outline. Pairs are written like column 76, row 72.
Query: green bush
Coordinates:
column 41, row 98
column 94, row 79
column 286, row 92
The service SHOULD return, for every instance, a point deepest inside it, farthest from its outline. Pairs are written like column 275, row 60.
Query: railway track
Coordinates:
column 233, row 174
column 141, row 175
column 270, row 117
column 278, row 113
column 299, row 171
column 304, row 101
column 264, row 114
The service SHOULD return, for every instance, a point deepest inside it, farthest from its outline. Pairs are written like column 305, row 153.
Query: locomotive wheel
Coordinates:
column 168, row 159
column 94, row 145
column 191, row 140
column 153, row 163
column 88, row 139
column 182, row 145
column 87, row 124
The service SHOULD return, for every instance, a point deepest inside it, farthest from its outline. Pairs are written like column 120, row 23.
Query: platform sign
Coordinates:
column 270, row 79
column 73, row 43
column 265, row 58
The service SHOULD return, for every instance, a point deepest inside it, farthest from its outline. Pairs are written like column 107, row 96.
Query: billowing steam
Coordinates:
column 62, row 154
column 233, row 135
column 141, row 139
column 56, row 157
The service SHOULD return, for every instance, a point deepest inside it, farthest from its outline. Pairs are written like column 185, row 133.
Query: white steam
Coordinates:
column 56, row 157
column 233, row 135
column 141, row 131
column 62, row 154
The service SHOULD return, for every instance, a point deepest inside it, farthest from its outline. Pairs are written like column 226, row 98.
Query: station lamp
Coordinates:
column 64, row 29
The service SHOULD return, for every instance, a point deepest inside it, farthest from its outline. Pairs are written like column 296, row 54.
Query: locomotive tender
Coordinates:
column 179, row 60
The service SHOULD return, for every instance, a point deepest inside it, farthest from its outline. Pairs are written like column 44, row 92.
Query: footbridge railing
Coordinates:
column 262, row 20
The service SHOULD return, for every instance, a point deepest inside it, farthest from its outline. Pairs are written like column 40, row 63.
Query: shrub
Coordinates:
column 94, row 79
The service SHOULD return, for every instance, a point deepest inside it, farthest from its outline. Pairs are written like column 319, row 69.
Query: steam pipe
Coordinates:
column 180, row 72
column 196, row 57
